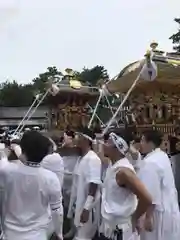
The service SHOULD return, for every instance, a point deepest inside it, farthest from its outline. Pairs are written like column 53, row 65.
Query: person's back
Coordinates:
column 28, row 191
column 161, row 221
column 26, row 198
column 169, row 194
column 160, row 163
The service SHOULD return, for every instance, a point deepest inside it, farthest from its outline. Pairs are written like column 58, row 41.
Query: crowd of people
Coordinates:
column 118, row 188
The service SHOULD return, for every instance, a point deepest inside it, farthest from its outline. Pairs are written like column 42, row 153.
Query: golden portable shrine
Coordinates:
column 153, row 103
column 70, row 107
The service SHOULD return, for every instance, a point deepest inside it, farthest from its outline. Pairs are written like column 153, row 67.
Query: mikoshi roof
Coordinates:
column 69, row 83
column 168, row 74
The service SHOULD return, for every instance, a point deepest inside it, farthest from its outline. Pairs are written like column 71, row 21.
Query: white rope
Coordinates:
column 123, row 102
column 95, row 109
column 96, row 115
column 111, row 109
column 34, row 110
column 27, row 113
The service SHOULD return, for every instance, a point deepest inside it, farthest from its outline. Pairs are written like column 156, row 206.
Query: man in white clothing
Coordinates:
column 54, row 162
column 162, row 220
column 88, row 188
column 27, row 191
column 121, row 189
column 69, row 161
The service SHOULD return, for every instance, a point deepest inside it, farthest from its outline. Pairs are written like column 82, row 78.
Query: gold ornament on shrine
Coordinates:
column 153, row 45
column 75, row 84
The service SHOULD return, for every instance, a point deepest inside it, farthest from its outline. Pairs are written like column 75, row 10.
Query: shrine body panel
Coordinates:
column 70, row 114
column 156, row 109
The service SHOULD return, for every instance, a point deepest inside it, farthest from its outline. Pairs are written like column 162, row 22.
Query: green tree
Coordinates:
column 16, row 95
column 93, row 75
column 176, row 37
column 40, row 82
column 13, row 94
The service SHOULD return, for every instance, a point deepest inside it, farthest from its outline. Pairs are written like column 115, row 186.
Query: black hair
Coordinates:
column 106, row 136
column 153, row 136
column 137, row 139
column 7, row 142
column 35, row 146
column 97, row 129
column 125, row 134
column 70, row 133
column 16, row 141
column 89, row 133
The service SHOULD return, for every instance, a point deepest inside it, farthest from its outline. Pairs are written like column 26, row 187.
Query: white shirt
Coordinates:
column 54, row 163
column 27, row 192
column 156, row 173
column 118, row 203
column 89, row 171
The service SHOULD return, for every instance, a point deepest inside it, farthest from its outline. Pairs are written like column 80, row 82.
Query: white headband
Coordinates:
column 87, row 137
column 119, row 142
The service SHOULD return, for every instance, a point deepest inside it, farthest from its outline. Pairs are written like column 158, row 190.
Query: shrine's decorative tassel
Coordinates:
column 149, row 70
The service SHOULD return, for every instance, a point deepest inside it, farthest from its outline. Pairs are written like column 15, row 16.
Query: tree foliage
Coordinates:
column 93, row 75
column 176, row 37
column 40, row 82
column 17, row 95
column 13, row 94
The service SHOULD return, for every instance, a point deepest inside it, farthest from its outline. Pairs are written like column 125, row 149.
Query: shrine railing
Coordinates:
column 164, row 128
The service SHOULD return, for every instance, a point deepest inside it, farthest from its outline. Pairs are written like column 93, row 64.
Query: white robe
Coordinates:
column 26, row 194
column 89, row 171
column 156, row 173
column 118, row 203
column 54, row 163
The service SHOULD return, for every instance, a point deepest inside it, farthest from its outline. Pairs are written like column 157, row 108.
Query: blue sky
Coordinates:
column 35, row 34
